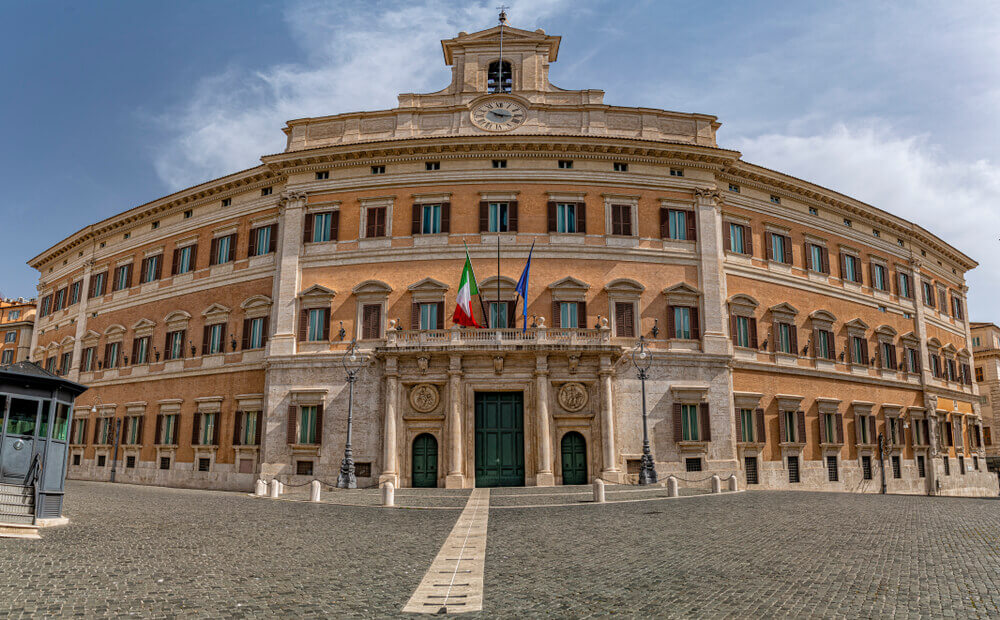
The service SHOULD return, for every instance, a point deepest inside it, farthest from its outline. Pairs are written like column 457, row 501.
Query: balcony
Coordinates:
column 538, row 337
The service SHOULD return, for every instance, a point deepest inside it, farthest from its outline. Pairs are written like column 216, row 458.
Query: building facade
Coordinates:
column 17, row 319
column 790, row 326
column 986, row 349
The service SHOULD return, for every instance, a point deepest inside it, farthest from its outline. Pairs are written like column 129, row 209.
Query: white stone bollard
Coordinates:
column 314, row 491
column 599, row 491
column 734, row 484
column 274, row 491
column 671, row 487
column 716, row 484
column 281, row 488
column 388, row 495
column 260, row 488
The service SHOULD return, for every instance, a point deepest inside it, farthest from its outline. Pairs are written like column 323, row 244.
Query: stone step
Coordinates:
column 6, row 519
column 17, row 500
column 13, row 509
column 18, row 530
column 15, row 489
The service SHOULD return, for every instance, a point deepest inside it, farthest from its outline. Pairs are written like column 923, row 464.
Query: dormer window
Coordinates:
column 499, row 79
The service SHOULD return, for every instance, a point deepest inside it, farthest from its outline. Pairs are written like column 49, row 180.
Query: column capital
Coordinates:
column 709, row 196
column 392, row 366
column 541, row 364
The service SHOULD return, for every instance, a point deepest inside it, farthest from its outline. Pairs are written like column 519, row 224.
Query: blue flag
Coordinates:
column 522, row 287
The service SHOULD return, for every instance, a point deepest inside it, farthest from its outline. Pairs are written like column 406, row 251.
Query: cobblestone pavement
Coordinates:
column 166, row 552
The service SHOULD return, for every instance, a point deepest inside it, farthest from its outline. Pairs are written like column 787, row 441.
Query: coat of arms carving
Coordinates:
column 424, row 397
column 573, row 397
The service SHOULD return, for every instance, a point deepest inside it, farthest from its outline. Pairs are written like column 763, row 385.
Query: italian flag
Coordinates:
column 463, row 305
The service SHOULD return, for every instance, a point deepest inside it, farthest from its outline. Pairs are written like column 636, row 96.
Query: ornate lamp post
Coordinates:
column 354, row 363
column 642, row 359
column 881, row 458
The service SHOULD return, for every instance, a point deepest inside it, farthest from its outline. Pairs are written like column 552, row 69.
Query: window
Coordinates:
column 830, row 427
column 679, row 223
column 429, row 316
column 204, row 464
column 7, row 357
column 432, row 165
column 168, row 430
column 371, row 326
column 689, row 423
column 123, row 277
column 214, row 339
column 126, row 236
column 921, row 467
column 174, row 349
column 896, row 467
column 206, row 434
column 498, row 77
column 87, row 365
column 947, row 466
column 863, row 425
column 880, row 278
column 164, row 462
column 813, row 211
column 956, row 308
column 77, row 459
column 247, row 430
column 888, row 352
column 848, row 223
column 866, row 467
column 961, row 465
column 430, row 219
column 303, row 468
column 375, row 222
column 499, row 217
column 620, row 166
column 621, row 220
column 742, row 331
column 859, row 350
column 851, row 271
column 133, row 431
column 979, row 372
column 738, row 239
column 831, row 469
column 13, row 315
column 904, row 286
column 692, row 464
column 786, row 338
column 565, row 164
column 60, row 299
column 788, row 419
column 97, row 284
column 266, row 191
column 64, row 362
column 824, row 344
column 499, row 163
column 746, row 425
column 112, row 351
column 263, row 240
column 750, row 466
column 378, row 169
column 307, row 424
column 975, row 463
column 50, row 365
column 102, row 460
column 151, row 268
column 566, row 217
column 322, row 175
column 818, row 257
column 682, row 323
column 793, row 469
column 226, row 202
column 184, row 259
column 876, row 233
column 734, row 188
column 776, row 199
column 913, row 360
column 569, row 315
column 187, row 214
column 975, row 341
column 498, row 314
column 223, row 249
column 676, row 172
column 780, row 248
column 318, row 324
column 254, row 333
column 624, row 319
column 10, row 336
column 322, row 227
column 928, row 292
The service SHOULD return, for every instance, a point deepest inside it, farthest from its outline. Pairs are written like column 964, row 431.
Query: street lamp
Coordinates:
column 642, row 359
column 354, row 363
column 881, row 458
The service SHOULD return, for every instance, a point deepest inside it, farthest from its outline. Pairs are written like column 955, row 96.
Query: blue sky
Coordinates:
column 112, row 104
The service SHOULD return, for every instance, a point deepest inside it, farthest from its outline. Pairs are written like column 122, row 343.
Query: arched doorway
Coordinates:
column 425, row 461
column 574, row 458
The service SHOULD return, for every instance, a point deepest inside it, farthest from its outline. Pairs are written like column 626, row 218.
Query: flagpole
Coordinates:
column 482, row 306
column 498, row 281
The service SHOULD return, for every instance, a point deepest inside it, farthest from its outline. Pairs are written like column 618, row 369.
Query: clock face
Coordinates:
column 498, row 115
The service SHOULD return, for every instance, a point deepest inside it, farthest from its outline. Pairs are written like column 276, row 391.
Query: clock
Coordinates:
column 498, row 115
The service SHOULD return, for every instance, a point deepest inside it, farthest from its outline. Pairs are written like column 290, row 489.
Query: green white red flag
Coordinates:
column 466, row 289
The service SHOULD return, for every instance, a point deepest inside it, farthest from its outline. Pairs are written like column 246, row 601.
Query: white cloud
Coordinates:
column 906, row 176
column 353, row 60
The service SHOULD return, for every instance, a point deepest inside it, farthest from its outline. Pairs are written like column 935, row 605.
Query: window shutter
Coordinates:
column 871, row 273
column 446, row 217
column 319, row 423
column 807, row 258
column 194, row 257
column 758, row 415
column 215, row 429
column 326, row 324
column 768, row 247
column 748, row 240
column 213, row 252
column 335, row 225
column 864, row 352
column 692, row 229
column 871, row 429
column 800, row 417
column 843, row 266
column 194, row 429
column 231, row 254
column 260, row 426
column 307, row 227
column 556, row 318
column 251, row 246
column 142, row 269
column 839, row 423
column 303, row 324
column 511, row 319
column 581, row 314
column 620, row 319
column 793, row 337
column 135, row 351
column 739, row 424
column 107, row 353
column 440, row 315
column 727, row 241
column 826, row 261
column 664, row 223
column 265, row 331
column 159, row 429
column 581, row 217
column 695, row 323
column 484, row 216
column 942, row 300
column 204, row 339
column 733, row 328
column 706, row 422
column 370, row 220
column 236, row 427
column 512, row 216
column 671, row 326
column 415, row 228
column 551, row 208
column 245, row 341
column 414, row 315
column 290, row 427
column 141, row 421
column 787, row 250
column 128, row 276
column 678, row 428
column 274, row 238
column 753, row 333
column 822, row 428
column 781, row 426
column 857, row 271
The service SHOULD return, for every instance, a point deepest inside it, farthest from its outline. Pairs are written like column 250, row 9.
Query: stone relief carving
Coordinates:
column 573, row 397
column 422, row 363
column 424, row 397
column 498, row 364
column 574, row 361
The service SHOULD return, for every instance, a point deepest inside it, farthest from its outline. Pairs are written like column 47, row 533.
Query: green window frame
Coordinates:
column 207, row 429
column 498, row 314
column 169, row 429
column 904, row 286
column 307, row 424
column 789, row 421
column 863, row 431
column 850, row 267
column 184, row 260
column 831, row 431
column 263, row 245
column 816, row 252
column 823, row 345
column 215, row 341
column 429, row 316
column 784, row 338
column 256, row 340
column 316, row 316
column 499, row 213
column 746, row 422
column 777, row 248
column 736, row 241
column 677, row 224
column 689, row 422
column 176, row 345
column 431, row 220
column 321, row 226
column 566, row 217
column 857, row 351
column 248, row 436
column 222, row 245
column 113, row 355
column 879, row 272
column 682, row 322
column 568, row 317
column 743, row 331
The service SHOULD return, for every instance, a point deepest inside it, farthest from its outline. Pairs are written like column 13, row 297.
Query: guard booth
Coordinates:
column 36, row 411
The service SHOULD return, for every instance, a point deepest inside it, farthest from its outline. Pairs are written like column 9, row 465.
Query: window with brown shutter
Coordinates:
column 291, row 425
column 942, row 301
column 273, row 245
column 550, row 210
column 371, row 323
column 307, row 227
column 484, row 216
column 375, row 222
column 761, row 435
column 624, row 319
column 692, row 228
column 303, row 334
column 238, row 421
column 678, row 423
column 800, row 418
column 705, row 419
column 621, row 220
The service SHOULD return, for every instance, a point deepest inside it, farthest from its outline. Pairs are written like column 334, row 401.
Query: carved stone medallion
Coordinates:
column 573, row 397
column 424, row 397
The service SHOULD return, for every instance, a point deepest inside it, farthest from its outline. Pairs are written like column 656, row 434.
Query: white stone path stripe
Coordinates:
column 454, row 582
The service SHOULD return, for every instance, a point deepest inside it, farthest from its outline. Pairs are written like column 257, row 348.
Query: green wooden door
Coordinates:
column 574, row 459
column 425, row 461
column 499, row 439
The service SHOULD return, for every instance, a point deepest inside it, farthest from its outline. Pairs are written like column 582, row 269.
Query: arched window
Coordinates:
column 499, row 71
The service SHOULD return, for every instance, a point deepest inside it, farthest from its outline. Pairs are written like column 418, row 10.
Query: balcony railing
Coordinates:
column 459, row 337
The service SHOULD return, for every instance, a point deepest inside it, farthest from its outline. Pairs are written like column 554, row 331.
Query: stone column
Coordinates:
column 456, row 477
column 287, row 275
column 390, row 469
column 920, row 322
column 610, row 472
column 81, row 321
column 711, row 258
column 544, row 476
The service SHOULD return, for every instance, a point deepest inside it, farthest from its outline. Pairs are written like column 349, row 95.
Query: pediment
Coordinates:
column 215, row 309
column 256, row 301
column 569, row 283
column 512, row 38
column 65, row 341
column 886, row 330
column 949, row 348
column 372, row 287
column 143, row 324
column 743, row 300
column 784, row 308
column 934, row 343
column 428, row 285
column 624, row 285
column 177, row 316
column 857, row 324
column 682, row 288
column 114, row 329
column 823, row 315
column 910, row 337
column 317, row 290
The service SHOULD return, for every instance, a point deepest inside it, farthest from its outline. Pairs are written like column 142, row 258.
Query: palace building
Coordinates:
column 790, row 326
column 17, row 319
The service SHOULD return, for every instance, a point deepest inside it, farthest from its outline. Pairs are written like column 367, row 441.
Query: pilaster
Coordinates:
column 81, row 321
column 544, row 477
column 456, row 477
column 390, row 470
column 286, row 283
column 610, row 472
column 712, row 280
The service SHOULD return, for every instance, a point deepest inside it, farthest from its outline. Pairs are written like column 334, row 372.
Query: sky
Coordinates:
column 108, row 105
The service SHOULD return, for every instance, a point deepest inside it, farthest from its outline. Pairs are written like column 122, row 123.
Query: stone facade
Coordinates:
column 227, row 350
column 17, row 320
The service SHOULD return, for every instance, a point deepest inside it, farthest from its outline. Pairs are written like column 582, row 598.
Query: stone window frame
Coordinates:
column 624, row 291
column 315, row 297
column 914, row 416
column 909, row 340
column 856, row 328
column 908, row 272
column 823, row 320
column 673, row 204
column 807, row 263
column 217, row 314
column 684, row 295
column 874, row 260
column 203, row 405
column 847, row 250
column 488, row 292
column 569, row 290
column 830, row 406
column 864, row 409
column 169, row 406
column 949, row 353
column 307, row 397
column 369, row 293
column 629, row 200
column 790, row 403
column 426, row 291
column 747, row 224
column 750, row 400
column 437, row 198
column 964, row 359
column 934, row 349
column 783, row 313
column 963, row 307
column 892, row 411
column 136, row 411
column 886, row 334
column 941, row 291
column 256, row 306
column 368, row 203
column 771, row 228
column 744, row 305
column 697, row 395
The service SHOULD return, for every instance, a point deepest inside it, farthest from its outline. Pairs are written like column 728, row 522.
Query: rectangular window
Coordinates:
column 223, row 248
column 793, row 469
column 111, row 355
column 816, row 258
column 743, row 331
column 566, row 217
column 164, row 462
column 303, row 468
column 151, row 268
column 689, row 422
column 60, row 301
column 432, row 165
column 692, row 464
column 565, row 164
column 266, row 191
column 881, row 279
column 261, row 241
column 175, row 345
column 317, row 324
column 87, row 364
column 248, row 434
column 621, row 220
column 913, row 360
column 429, row 316
column 620, row 166
column 778, row 249
column 682, row 323
column 904, row 286
column 64, row 362
column 921, row 467
column 371, row 326
column 862, row 422
column 74, row 292
column 97, row 283
column 77, row 460
column 498, row 314
column 858, row 350
column 184, row 260
column 378, row 169
column 102, row 460
column 10, row 336
column 677, row 224
column 123, row 277
column 823, row 341
column 256, row 337
column 979, row 374
column 888, row 356
column 975, row 463
column 568, row 317
column 322, row 226
column 676, row 172
column 830, row 423
column 375, row 222
column 866, row 467
column 624, row 319
column 750, row 465
column 169, row 434
column 499, row 212
column 207, row 435
column 961, row 465
column 896, row 468
column 947, row 466
column 215, row 343
column 322, row 175
column 499, row 163
column 50, row 365
column 430, row 221
column 204, row 464
column 784, row 338
column 746, row 425
column 14, row 315
column 851, row 268
column 832, row 475
column 737, row 241
column 7, row 357
column 734, row 188
column 307, row 424
column 788, row 418
column 928, row 292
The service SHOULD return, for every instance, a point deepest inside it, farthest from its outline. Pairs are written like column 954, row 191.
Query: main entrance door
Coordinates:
column 425, row 461
column 574, row 458
column 499, row 439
